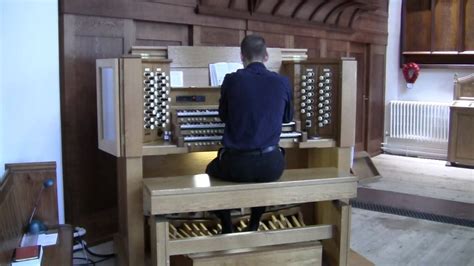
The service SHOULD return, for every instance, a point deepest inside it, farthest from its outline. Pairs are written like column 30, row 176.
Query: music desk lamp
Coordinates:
column 37, row 226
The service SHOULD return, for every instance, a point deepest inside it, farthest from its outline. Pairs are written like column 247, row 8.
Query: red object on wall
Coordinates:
column 410, row 72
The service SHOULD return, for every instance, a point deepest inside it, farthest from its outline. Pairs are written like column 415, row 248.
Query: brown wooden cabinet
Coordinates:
column 437, row 31
column 461, row 123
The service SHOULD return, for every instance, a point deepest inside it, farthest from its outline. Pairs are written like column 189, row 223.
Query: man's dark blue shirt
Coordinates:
column 254, row 103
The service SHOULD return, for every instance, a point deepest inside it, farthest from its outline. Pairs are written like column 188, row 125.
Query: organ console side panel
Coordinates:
column 348, row 99
column 108, row 120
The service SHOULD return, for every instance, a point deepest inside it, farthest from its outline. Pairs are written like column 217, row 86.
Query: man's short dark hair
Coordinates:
column 253, row 47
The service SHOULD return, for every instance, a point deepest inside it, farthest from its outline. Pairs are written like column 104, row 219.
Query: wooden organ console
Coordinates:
column 158, row 130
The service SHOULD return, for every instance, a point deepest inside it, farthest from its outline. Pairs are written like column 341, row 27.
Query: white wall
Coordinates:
column 393, row 51
column 2, row 160
column 29, row 88
column 432, row 85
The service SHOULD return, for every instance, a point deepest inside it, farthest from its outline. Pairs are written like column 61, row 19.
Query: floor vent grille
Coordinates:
column 411, row 213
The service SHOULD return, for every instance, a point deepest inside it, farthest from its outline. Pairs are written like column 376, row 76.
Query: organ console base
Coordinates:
column 166, row 198
column 282, row 255
column 158, row 130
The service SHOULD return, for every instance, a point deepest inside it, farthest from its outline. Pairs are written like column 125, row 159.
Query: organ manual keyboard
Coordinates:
column 158, row 129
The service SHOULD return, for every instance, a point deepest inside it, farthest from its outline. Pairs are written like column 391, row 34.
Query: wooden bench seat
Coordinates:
column 201, row 193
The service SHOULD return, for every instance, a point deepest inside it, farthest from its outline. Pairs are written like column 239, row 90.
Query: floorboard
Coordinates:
column 387, row 239
column 423, row 177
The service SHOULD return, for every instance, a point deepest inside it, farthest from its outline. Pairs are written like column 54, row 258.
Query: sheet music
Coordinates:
column 176, row 79
column 218, row 71
column 47, row 239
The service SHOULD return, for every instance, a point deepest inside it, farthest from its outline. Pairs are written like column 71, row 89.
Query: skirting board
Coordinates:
column 429, row 150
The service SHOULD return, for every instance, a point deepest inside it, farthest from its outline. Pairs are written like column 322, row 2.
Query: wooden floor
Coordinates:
column 387, row 239
column 423, row 177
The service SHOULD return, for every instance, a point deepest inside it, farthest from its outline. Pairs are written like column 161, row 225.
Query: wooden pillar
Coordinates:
column 159, row 237
column 338, row 213
column 130, row 243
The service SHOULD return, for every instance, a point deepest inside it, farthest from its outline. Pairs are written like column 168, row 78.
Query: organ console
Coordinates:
column 158, row 129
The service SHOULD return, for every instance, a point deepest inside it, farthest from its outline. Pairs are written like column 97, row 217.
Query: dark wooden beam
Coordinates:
column 298, row 7
column 339, row 8
column 225, row 12
column 277, row 6
column 316, row 9
column 353, row 17
column 254, row 5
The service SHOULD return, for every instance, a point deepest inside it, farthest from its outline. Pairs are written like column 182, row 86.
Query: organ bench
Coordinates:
column 328, row 187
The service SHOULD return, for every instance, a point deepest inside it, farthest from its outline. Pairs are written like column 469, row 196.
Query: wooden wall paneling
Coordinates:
column 468, row 42
column 375, row 119
column 18, row 192
column 190, row 3
column 161, row 34
column 212, row 36
column 372, row 23
column 337, row 49
column 89, row 174
column 276, row 40
column 318, row 32
column 417, row 38
column 242, row 5
column 359, row 52
column 312, row 44
column 148, row 11
column 446, row 25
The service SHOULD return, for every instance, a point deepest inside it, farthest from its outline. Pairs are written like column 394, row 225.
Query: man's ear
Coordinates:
column 265, row 58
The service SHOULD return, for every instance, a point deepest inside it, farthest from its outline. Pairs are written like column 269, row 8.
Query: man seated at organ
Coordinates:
column 253, row 105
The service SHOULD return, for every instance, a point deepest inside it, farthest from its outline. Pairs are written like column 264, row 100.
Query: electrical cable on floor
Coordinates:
column 85, row 250
column 89, row 261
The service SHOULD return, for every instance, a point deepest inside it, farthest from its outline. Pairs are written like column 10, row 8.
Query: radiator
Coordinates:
column 419, row 121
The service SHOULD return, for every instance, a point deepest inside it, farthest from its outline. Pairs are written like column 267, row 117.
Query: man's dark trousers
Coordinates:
column 246, row 166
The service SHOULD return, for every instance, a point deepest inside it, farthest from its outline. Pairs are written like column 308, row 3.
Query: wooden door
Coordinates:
column 359, row 52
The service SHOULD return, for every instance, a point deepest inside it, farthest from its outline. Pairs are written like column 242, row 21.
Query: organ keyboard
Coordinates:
column 202, row 129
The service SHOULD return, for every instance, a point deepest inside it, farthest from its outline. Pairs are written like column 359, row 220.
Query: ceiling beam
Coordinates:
column 298, row 7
